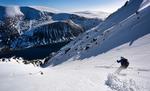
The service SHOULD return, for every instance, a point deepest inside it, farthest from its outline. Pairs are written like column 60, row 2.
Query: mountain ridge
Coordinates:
column 108, row 35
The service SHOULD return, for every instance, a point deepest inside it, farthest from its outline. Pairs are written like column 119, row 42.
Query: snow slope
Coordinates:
column 88, row 63
column 98, row 40
column 124, row 12
column 91, row 74
column 144, row 4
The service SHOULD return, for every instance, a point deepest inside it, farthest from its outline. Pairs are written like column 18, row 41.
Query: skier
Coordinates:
column 124, row 64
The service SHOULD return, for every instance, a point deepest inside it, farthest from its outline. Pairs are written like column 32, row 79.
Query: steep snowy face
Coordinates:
column 117, row 31
column 144, row 4
column 124, row 12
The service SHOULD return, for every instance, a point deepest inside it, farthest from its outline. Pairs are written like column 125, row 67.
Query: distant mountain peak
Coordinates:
column 46, row 9
column 12, row 11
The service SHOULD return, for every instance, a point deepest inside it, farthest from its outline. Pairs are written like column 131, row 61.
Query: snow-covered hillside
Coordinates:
column 110, row 34
column 124, row 33
column 91, row 74
column 21, row 19
column 88, row 63
column 17, row 21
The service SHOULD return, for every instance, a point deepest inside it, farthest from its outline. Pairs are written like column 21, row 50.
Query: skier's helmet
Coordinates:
column 122, row 57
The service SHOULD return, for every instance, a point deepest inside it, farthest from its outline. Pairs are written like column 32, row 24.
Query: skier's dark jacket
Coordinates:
column 124, row 62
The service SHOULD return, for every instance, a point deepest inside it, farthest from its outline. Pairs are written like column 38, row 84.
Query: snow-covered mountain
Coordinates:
column 88, row 63
column 46, row 9
column 16, row 21
column 49, row 33
column 124, row 26
column 39, row 12
column 29, row 12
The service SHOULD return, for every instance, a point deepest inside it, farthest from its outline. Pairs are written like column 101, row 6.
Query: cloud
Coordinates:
column 107, row 7
column 111, row 7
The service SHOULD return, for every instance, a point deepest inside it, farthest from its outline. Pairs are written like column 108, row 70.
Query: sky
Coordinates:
column 70, row 5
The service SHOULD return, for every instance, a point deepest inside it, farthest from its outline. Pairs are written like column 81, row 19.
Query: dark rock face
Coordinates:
column 58, row 30
column 48, row 34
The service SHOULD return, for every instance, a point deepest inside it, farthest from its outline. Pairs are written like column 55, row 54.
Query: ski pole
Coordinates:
column 112, row 64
